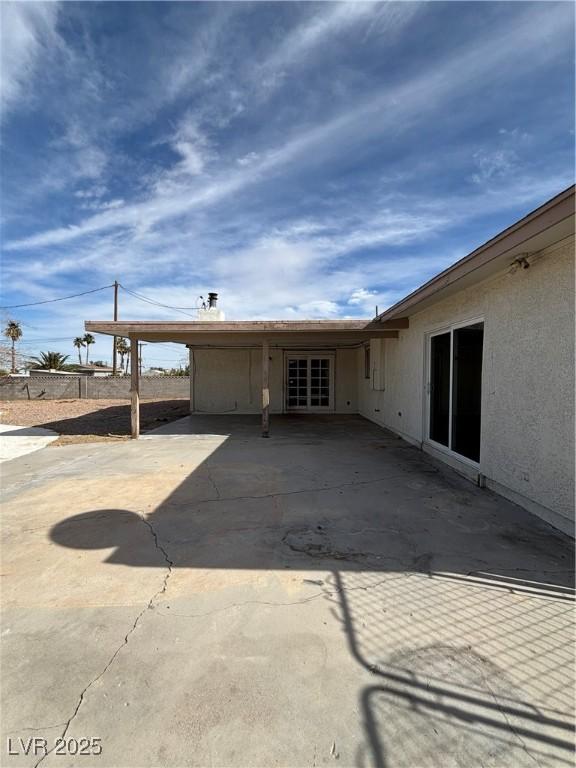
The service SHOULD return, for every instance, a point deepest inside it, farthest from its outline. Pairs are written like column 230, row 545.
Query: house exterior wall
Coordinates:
column 527, row 435
column 230, row 380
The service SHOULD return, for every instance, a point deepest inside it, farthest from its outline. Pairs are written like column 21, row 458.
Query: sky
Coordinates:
column 304, row 160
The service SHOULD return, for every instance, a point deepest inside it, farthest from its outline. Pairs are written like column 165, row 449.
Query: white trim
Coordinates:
column 449, row 453
column 309, row 355
column 446, row 327
column 428, row 336
column 428, row 441
column 458, row 462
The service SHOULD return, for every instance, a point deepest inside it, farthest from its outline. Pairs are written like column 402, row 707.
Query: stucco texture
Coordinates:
column 527, row 439
column 230, row 381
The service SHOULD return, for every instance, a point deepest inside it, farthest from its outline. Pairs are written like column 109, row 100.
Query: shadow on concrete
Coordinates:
column 284, row 426
column 15, row 431
column 438, row 692
column 115, row 419
column 418, row 557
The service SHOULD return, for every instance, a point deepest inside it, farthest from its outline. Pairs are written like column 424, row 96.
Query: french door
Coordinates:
column 455, row 389
column 309, row 382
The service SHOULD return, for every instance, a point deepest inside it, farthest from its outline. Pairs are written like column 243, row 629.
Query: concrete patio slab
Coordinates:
column 329, row 596
column 18, row 441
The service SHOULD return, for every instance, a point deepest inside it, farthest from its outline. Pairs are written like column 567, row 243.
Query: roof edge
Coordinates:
column 553, row 211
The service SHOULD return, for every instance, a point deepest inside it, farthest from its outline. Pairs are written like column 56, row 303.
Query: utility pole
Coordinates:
column 114, row 365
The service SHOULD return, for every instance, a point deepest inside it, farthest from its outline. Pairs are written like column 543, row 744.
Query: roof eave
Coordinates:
column 553, row 217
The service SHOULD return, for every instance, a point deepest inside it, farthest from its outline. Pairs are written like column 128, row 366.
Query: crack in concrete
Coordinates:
column 213, row 482
column 147, row 607
column 160, row 548
column 327, row 593
column 41, row 728
column 303, row 490
column 241, row 605
column 504, row 714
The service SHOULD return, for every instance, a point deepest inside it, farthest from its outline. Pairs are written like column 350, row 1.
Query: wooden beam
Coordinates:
column 397, row 323
column 265, row 389
column 134, row 389
column 221, row 337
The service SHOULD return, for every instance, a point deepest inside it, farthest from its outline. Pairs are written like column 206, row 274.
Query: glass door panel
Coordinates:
column 297, row 385
column 309, row 383
column 455, row 389
column 467, row 390
column 319, row 382
column 440, row 388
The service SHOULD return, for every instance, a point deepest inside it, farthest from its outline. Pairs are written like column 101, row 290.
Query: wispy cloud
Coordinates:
column 375, row 115
column 304, row 160
column 102, row 205
column 27, row 31
column 86, row 159
column 324, row 23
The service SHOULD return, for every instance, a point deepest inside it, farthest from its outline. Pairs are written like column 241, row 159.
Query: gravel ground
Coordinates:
column 85, row 421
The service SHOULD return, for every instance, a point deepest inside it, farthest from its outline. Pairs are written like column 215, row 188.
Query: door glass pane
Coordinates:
column 320, row 383
column 296, row 383
column 440, row 387
column 467, row 390
column 308, row 383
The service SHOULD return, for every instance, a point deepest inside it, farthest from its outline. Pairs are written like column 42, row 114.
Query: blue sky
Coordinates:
column 302, row 159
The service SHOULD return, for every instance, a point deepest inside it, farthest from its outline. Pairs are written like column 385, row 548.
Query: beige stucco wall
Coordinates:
column 230, row 380
column 527, row 440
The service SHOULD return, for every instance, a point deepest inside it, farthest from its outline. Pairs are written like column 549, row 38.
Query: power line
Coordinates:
column 136, row 295
column 62, row 298
column 147, row 299
column 43, row 340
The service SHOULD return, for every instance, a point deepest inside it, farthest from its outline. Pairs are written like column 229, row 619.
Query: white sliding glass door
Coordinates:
column 455, row 389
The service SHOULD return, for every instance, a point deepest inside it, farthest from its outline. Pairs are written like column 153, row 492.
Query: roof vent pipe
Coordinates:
column 210, row 313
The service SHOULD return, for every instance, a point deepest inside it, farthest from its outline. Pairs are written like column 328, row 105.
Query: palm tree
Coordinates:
column 122, row 349
column 50, row 361
column 88, row 340
column 13, row 331
column 79, row 343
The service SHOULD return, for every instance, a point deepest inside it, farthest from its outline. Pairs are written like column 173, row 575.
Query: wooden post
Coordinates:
column 134, row 389
column 265, row 389
column 191, row 375
column 115, row 339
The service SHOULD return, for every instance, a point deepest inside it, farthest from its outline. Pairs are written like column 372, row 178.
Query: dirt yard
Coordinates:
column 85, row 421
